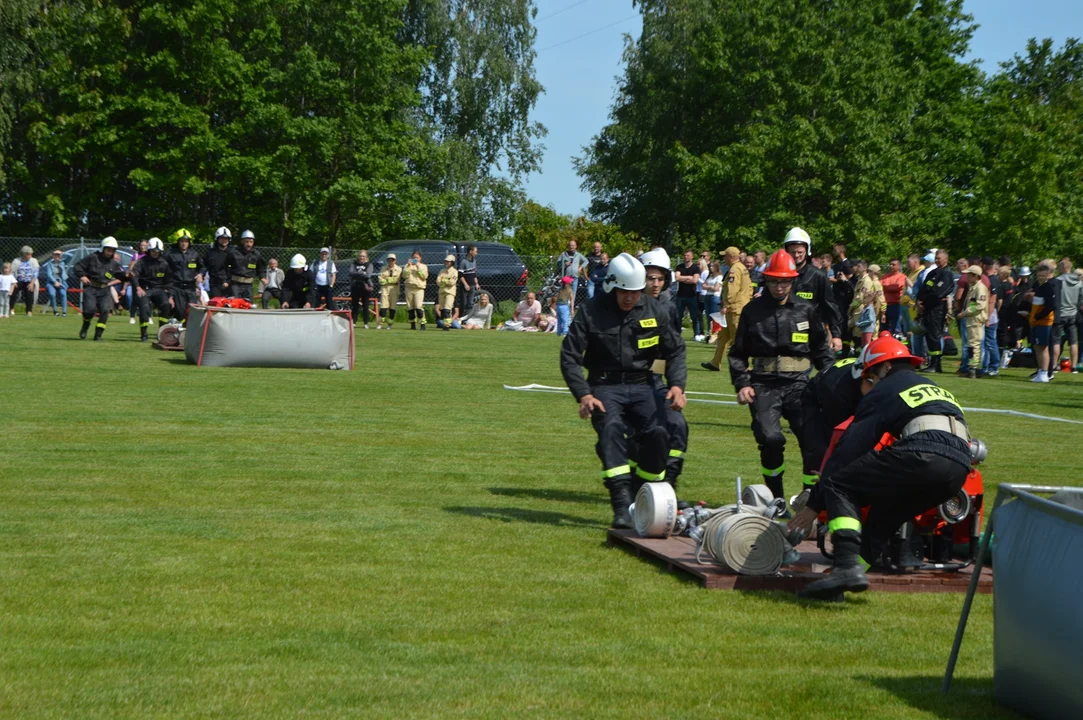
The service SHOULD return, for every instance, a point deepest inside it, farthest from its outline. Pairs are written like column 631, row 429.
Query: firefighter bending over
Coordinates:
column 927, row 464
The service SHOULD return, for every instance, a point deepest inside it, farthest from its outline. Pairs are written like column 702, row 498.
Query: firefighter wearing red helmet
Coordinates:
column 780, row 338
column 617, row 338
column 926, row 465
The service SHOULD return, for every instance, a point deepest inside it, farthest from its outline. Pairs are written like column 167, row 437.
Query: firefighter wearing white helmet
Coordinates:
column 299, row 286
column 245, row 266
column 99, row 272
column 811, row 284
column 617, row 338
column 656, row 263
column 217, row 261
column 154, row 286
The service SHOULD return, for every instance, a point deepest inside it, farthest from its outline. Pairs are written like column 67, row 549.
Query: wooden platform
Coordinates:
column 159, row 346
column 679, row 556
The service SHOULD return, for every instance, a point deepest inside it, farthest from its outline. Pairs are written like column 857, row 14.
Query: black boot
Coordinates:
column 98, row 333
column 413, row 325
column 422, row 326
column 82, row 333
column 620, row 496
column 774, row 484
column 671, row 478
column 143, row 335
column 846, row 574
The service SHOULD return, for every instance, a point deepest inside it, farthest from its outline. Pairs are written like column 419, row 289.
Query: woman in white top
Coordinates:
column 480, row 316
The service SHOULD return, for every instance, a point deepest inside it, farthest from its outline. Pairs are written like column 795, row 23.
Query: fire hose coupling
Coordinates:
column 978, row 451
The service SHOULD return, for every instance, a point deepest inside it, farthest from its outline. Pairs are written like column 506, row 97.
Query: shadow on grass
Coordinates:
column 537, row 517
column 571, row 496
column 659, row 565
column 784, row 597
column 182, row 360
column 969, row 697
column 701, row 423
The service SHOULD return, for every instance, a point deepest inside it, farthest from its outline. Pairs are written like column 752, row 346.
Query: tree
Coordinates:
column 1029, row 194
column 477, row 91
column 737, row 120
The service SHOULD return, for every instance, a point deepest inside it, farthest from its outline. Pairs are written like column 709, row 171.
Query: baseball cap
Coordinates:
column 929, row 257
column 449, row 258
column 973, row 270
column 874, row 268
column 325, row 250
column 391, row 256
column 567, row 280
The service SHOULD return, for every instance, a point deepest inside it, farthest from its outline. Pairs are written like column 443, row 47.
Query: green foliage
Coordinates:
column 1029, row 195
column 299, row 120
column 736, row 120
column 541, row 230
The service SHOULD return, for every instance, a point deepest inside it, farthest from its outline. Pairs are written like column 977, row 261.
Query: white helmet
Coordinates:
column 109, row 242
column 658, row 258
column 155, row 244
column 625, row 273
column 247, row 235
column 222, row 232
column 297, row 261
column 797, row 235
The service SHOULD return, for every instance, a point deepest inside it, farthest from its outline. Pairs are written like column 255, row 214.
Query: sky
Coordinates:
column 580, row 43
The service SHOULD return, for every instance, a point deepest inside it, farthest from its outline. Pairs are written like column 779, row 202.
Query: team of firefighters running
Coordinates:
column 628, row 340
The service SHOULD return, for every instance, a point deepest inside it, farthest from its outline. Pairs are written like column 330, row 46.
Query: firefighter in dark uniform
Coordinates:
column 245, row 266
column 932, row 300
column 617, row 337
column 830, row 398
column 187, row 269
column 659, row 274
column 927, row 464
column 217, row 262
column 780, row 338
column 153, row 286
column 812, row 284
column 98, row 272
column 299, row 287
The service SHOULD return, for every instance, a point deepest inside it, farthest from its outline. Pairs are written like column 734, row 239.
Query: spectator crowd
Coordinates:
column 998, row 311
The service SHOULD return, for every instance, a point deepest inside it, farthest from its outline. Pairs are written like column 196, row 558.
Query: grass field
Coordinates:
column 410, row 540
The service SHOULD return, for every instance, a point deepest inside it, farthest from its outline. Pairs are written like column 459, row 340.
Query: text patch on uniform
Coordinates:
column 648, row 342
column 805, row 294
column 921, row 394
column 845, row 361
column 648, row 322
column 799, row 337
column 191, row 265
column 803, row 325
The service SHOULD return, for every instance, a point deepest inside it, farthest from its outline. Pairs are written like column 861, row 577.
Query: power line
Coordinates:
column 587, row 34
column 554, row 14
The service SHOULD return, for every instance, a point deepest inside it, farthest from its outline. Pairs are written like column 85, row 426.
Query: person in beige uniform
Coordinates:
column 736, row 292
column 975, row 310
column 389, row 290
column 417, row 277
column 447, row 282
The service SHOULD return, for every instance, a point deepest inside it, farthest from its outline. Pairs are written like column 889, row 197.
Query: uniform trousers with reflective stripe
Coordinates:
column 156, row 298
column 97, row 300
column 932, row 321
column 631, row 414
column 895, row 485
column 775, row 401
column 677, row 432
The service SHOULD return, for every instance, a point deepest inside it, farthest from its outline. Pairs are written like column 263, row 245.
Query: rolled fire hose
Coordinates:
column 655, row 510
column 745, row 543
column 169, row 335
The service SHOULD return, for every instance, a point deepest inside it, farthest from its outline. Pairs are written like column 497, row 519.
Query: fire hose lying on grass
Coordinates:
column 744, row 538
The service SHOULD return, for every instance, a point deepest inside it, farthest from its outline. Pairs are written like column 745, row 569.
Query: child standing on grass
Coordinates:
column 7, row 288
column 564, row 307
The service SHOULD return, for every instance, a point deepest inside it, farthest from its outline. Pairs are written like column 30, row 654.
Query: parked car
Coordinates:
column 501, row 273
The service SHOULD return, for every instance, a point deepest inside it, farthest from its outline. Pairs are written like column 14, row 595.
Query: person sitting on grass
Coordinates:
column 526, row 313
column 480, row 316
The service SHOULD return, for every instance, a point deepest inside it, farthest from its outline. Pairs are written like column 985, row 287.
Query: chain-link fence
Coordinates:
column 505, row 276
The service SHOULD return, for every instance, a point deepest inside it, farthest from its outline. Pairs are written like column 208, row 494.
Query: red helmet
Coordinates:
column 882, row 350
column 781, row 265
